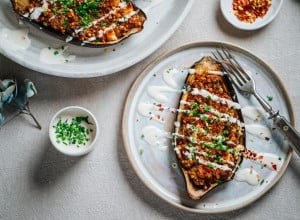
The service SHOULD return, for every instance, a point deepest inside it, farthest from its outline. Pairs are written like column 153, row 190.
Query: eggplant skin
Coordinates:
column 209, row 137
column 91, row 23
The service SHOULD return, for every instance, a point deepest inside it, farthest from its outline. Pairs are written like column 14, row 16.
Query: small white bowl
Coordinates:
column 69, row 113
column 228, row 13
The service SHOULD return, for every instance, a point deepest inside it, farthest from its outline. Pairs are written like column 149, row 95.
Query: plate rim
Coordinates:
column 96, row 73
column 249, row 28
column 131, row 94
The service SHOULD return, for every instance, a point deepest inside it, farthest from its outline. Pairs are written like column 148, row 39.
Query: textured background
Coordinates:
column 37, row 182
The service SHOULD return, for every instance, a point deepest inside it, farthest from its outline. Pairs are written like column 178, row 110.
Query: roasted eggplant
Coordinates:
column 209, row 136
column 93, row 23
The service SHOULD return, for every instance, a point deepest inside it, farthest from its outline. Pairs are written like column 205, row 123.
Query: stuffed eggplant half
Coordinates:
column 209, row 136
column 86, row 22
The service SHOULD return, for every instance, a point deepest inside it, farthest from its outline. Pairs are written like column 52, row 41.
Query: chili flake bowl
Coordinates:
column 73, row 131
column 228, row 13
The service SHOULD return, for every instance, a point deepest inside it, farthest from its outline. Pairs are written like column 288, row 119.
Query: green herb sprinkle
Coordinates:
column 72, row 133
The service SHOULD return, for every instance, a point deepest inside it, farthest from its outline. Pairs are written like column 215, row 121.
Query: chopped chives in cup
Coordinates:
column 74, row 132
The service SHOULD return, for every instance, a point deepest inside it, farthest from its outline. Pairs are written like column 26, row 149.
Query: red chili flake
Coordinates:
column 251, row 153
column 158, row 116
column 160, row 107
column 249, row 10
column 274, row 166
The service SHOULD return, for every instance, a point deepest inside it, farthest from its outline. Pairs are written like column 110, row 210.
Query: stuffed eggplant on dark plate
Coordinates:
column 86, row 22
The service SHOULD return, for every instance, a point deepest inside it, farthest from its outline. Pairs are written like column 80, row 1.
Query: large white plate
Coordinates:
column 156, row 167
column 227, row 10
column 164, row 17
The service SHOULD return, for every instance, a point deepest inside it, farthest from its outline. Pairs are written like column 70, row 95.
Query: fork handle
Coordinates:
column 267, row 107
column 288, row 131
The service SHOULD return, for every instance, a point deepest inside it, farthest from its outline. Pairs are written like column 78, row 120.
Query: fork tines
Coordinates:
column 231, row 66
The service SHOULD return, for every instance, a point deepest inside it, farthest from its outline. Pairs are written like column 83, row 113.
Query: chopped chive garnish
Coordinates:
column 210, row 165
column 206, row 108
column 141, row 151
column 194, row 105
column 72, row 133
column 225, row 132
column 219, row 181
column 270, row 98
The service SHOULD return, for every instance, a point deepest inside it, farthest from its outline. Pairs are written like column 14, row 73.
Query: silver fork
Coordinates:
column 245, row 83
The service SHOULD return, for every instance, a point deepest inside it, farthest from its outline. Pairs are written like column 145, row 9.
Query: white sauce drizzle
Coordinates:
column 192, row 71
column 183, row 102
column 15, row 39
column 260, row 131
column 177, row 124
column 226, row 117
column 55, row 56
column 156, row 92
column 154, row 135
column 223, row 118
column 36, row 12
column 168, row 76
column 148, row 110
column 206, row 94
column 215, row 165
column 193, row 150
column 202, row 131
column 145, row 108
column 112, row 12
column 248, row 175
column 219, row 73
column 220, row 116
